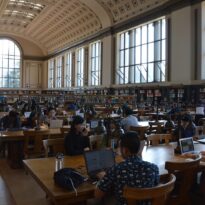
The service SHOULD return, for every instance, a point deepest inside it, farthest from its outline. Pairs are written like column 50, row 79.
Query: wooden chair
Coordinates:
column 157, row 195
column 95, row 141
column 156, row 127
column 33, row 144
column 141, row 130
column 64, row 131
column 185, row 173
column 155, row 139
column 53, row 146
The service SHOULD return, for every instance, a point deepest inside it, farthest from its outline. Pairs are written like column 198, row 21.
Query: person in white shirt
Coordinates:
column 129, row 120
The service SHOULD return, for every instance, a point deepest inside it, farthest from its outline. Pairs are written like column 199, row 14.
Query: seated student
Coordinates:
column 11, row 121
column 129, row 120
column 133, row 171
column 188, row 128
column 77, row 139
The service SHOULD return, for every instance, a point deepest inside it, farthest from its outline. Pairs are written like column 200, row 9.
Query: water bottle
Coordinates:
column 59, row 162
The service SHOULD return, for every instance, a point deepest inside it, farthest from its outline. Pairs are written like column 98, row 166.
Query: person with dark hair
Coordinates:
column 187, row 127
column 132, row 172
column 129, row 120
column 77, row 139
column 11, row 121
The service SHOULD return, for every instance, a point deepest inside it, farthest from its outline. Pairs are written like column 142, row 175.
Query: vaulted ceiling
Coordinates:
column 56, row 24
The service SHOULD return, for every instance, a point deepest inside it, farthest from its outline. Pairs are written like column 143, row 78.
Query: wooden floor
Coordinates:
column 23, row 188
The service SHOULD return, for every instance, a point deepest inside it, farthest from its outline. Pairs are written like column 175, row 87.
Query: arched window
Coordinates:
column 10, row 64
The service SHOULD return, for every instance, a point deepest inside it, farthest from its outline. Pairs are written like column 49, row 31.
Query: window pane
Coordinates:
column 138, row 55
column 144, row 34
column 9, row 67
column 138, row 36
column 150, row 52
column 143, row 58
column 95, row 64
column 127, row 40
column 144, row 53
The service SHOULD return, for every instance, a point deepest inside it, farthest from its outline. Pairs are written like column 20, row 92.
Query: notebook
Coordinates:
column 98, row 160
column 187, row 146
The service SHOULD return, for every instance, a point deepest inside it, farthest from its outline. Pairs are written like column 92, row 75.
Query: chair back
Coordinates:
column 155, row 139
column 185, row 172
column 64, row 131
column 53, row 146
column 141, row 130
column 33, row 145
column 157, row 195
column 95, row 141
column 156, row 127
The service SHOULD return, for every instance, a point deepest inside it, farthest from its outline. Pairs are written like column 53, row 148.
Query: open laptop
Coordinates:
column 187, row 146
column 93, row 124
column 97, row 161
column 27, row 114
column 56, row 123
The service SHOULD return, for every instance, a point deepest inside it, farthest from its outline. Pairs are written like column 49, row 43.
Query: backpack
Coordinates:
column 68, row 178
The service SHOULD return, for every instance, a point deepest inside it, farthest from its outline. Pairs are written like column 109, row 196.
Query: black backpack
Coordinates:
column 68, row 178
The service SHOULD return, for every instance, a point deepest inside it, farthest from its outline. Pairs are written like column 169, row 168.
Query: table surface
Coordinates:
column 43, row 169
column 19, row 135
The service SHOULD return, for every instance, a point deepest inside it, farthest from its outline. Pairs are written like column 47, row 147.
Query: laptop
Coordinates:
column 56, row 123
column 187, row 146
column 93, row 124
column 97, row 161
column 27, row 114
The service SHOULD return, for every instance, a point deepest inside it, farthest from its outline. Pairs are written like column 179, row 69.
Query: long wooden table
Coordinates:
column 43, row 169
column 15, row 143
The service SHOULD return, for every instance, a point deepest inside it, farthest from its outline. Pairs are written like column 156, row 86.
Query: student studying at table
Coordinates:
column 133, row 172
column 129, row 120
column 77, row 139
column 187, row 127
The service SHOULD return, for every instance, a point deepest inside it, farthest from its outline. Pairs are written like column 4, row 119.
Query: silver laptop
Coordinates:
column 187, row 146
column 98, row 160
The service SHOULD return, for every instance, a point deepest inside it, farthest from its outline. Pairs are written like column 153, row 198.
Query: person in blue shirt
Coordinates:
column 133, row 171
column 129, row 120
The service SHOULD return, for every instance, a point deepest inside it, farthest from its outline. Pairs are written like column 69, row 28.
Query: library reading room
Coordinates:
column 102, row 102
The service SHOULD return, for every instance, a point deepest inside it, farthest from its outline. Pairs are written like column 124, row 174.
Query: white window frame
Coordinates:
column 141, row 57
column 95, row 63
column 80, row 66
column 68, row 70
column 51, row 73
column 10, row 64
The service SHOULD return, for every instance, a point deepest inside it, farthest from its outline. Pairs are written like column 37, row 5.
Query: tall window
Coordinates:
column 10, row 64
column 142, row 54
column 58, row 75
column 80, row 56
column 68, row 70
column 51, row 67
column 95, row 63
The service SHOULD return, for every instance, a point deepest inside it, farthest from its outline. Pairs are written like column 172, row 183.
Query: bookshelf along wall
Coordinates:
column 136, row 96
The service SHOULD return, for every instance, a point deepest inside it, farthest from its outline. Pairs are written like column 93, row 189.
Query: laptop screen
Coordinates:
column 186, row 145
column 99, row 160
column 27, row 114
column 93, row 124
